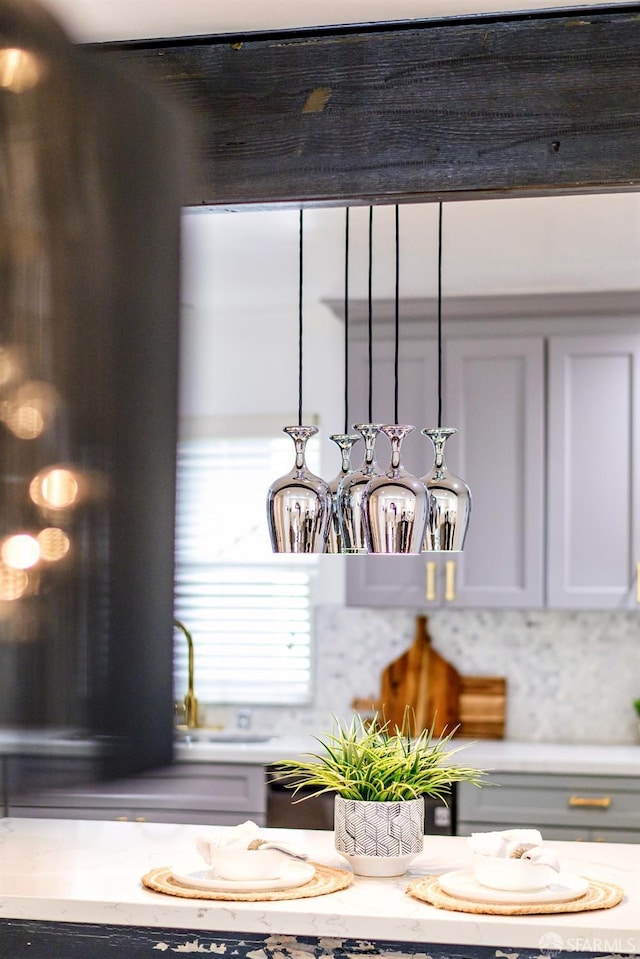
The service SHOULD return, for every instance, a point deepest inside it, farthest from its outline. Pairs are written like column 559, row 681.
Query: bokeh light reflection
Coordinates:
column 54, row 488
column 54, row 544
column 20, row 551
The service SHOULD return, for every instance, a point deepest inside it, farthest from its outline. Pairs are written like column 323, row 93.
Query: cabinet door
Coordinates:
column 581, row 805
column 594, row 471
column 223, row 793
column 494, row 395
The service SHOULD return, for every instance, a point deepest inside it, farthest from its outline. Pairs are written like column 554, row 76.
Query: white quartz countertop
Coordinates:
column 490, row 754
column 498, row 755
column 90, row 872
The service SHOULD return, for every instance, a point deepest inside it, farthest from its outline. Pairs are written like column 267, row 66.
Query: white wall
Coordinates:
column 240, row 286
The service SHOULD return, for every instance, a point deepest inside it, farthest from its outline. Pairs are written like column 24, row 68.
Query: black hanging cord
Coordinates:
column 439, row 314
column 300, row 295
column 397, row 319
column 346, row 321
column 370, row 294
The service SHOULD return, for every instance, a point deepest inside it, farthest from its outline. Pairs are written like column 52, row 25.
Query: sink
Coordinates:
column 187, row 737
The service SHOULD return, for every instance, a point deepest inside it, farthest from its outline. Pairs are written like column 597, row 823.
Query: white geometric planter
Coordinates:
column 379, row 838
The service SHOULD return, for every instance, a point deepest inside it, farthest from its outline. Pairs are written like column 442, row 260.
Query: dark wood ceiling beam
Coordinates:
column 461, row 108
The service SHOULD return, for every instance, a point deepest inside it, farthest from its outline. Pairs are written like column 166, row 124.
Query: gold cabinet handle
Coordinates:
column 140, row 819
column 431, row 581
column 638, row 583
column 597, row 802
column 450, row 580
column 122, row 819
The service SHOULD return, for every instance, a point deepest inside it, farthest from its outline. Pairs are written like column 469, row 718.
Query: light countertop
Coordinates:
column 89, row 872
column 489, row 754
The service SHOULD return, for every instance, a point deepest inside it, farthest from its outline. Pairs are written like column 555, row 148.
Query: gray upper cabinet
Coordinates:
column 495, row 397
column 594, row 471
column 548, row 441
column 493, row 391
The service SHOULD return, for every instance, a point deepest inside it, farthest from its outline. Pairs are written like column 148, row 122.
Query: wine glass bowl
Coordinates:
column 345, row 443
column 448, row 522
column 299, row 504
column 396, row 504
column 351, row 513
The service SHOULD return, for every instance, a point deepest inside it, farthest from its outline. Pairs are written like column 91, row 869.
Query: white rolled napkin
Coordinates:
column 240, row 837
column 506, row 843
column 542, row 856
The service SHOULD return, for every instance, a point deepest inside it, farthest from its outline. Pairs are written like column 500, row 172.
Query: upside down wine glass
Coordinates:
column 299, row 504
column 450, row 499
column 396, row 504
column 344, row 442
column 349, row 499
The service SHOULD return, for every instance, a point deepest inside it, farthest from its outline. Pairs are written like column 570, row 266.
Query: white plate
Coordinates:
column 463, row 884
column 294, row 874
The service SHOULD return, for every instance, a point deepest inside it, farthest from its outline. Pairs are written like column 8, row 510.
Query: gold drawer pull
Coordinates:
column 450, row 580
column 599, row 802
column 431, row 581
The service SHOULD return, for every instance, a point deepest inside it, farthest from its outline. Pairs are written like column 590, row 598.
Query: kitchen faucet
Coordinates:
column 190, row 703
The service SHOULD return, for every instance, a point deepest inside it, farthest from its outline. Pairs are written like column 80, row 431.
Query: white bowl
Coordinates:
column 515, row 875
column 244, row 864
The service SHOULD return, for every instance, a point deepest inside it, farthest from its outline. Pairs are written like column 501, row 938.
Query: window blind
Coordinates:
column 248, row 609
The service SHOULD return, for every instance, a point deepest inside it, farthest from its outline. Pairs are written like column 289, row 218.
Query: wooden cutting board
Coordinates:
column 423, row 680
column 482, row 707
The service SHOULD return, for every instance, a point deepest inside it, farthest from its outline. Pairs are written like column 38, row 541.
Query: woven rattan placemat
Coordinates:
column 325, row 880
column 599, row 895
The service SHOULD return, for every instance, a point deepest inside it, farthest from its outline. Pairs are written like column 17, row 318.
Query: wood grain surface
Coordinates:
column 423, row 680
column 466, row 107
column 436, row 693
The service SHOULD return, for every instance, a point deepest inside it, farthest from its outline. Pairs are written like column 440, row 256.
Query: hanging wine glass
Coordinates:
column 450, row 499
column 344, row 442
column 396, row 504
column 450, row 496
column 351, row 515
column 351, row 518
column 299, row 503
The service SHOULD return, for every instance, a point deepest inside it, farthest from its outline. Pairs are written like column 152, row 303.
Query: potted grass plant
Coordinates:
column 380, row 775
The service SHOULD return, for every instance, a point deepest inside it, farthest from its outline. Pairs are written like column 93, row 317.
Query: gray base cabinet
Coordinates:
column 581, row 808
column 199, row 793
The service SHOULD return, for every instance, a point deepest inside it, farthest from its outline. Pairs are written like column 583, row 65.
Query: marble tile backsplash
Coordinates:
column 571, row 675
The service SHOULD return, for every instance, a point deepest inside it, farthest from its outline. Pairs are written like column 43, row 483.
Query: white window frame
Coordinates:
column 253, row 645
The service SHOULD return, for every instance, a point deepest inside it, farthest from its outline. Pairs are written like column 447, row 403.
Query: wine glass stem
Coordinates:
column 438, row 443
column 300, row 445
column 369, row 450
column 395, row 452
